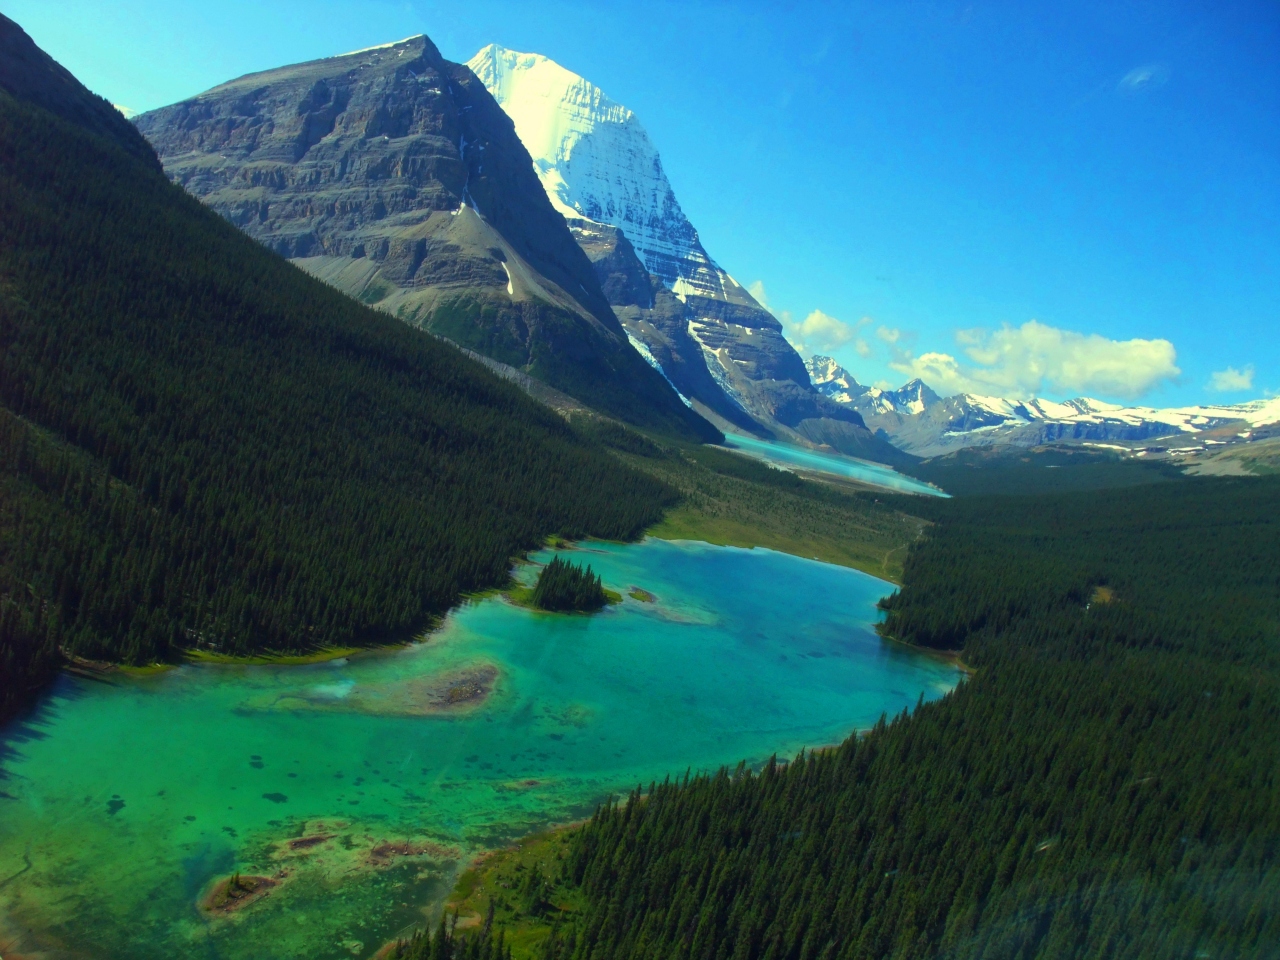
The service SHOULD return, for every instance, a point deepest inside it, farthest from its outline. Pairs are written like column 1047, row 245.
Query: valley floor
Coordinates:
column 817, row 521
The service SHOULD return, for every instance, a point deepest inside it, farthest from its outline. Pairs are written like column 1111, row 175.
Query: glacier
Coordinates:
column 597, row 163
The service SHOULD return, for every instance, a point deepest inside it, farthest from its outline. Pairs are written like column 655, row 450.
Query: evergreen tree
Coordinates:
column 1105, row 784
column 566, row 586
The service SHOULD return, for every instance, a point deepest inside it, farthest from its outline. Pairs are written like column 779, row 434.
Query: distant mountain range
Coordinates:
column 392, row 174
column 919, row 421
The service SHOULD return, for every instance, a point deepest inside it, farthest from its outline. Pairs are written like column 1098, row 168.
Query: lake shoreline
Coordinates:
column 953, row 657
column 514, row 593
column 504, row 722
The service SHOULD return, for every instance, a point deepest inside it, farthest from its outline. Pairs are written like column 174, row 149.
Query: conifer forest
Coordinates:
column 200, row 446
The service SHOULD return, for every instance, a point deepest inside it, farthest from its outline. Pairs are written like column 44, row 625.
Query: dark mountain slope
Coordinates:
column 28, row 73
column 201, row 445
column 393, row 175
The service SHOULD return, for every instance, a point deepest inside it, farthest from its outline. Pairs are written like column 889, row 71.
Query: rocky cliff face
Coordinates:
column 657, row 321
column 28, row 73
column 717, row 345
column 922, row 423
column 392, row 174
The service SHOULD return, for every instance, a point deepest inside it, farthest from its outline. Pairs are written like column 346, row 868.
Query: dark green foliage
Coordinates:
column 614, row 435
column 200, row 445
column 1194, row 568
column 566, row 586
column 545, row 341
column 535, row 893
column 978, row 471
column 445, row 944
column 1107, row 785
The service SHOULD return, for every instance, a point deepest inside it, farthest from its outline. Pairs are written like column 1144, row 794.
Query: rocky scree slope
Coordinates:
column 718, row 346
column 392, row 174
column 919, row 421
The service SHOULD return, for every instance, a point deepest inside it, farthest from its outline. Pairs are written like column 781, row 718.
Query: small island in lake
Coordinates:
column 236, row 891
column 565, row 586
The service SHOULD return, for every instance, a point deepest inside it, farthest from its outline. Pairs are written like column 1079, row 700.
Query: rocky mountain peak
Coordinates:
column 915, row 396
column 596, row 162
column 833, row 380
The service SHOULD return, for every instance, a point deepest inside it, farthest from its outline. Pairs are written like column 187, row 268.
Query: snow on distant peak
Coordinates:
column 1085, row 410
column 834, row 381
column 381, row 46
column 597, row 163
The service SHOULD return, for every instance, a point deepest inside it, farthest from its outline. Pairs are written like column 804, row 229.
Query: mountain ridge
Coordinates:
column 391, row 174
column 924, row 423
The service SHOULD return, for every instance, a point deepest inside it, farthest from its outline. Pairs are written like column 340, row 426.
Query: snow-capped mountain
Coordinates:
column 597, row 163
column 720, row 348
column 920, row 422
column 834, row 381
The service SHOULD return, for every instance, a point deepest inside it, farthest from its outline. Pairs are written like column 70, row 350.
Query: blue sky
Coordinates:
column 1058, row 199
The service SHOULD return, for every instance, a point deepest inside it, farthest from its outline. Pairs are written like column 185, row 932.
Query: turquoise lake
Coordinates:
column 789, row 455
column 364, row 785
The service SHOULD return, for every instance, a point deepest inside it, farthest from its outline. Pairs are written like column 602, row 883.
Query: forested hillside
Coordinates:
column 200, row 445
column 1105, row 785
column 978, row 471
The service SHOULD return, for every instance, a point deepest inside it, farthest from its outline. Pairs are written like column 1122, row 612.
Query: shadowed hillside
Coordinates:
column 202, row 446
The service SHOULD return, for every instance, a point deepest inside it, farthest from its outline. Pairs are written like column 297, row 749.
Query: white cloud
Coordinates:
column 1232, row 379
column 889, row 335
column 863, row 348
column 1022, row 362
column 757, row 290
column 129, row 112
column 1146, row 77
column 816, row 332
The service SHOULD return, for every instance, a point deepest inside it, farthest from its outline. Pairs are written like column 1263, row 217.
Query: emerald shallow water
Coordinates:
column 122, row 801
